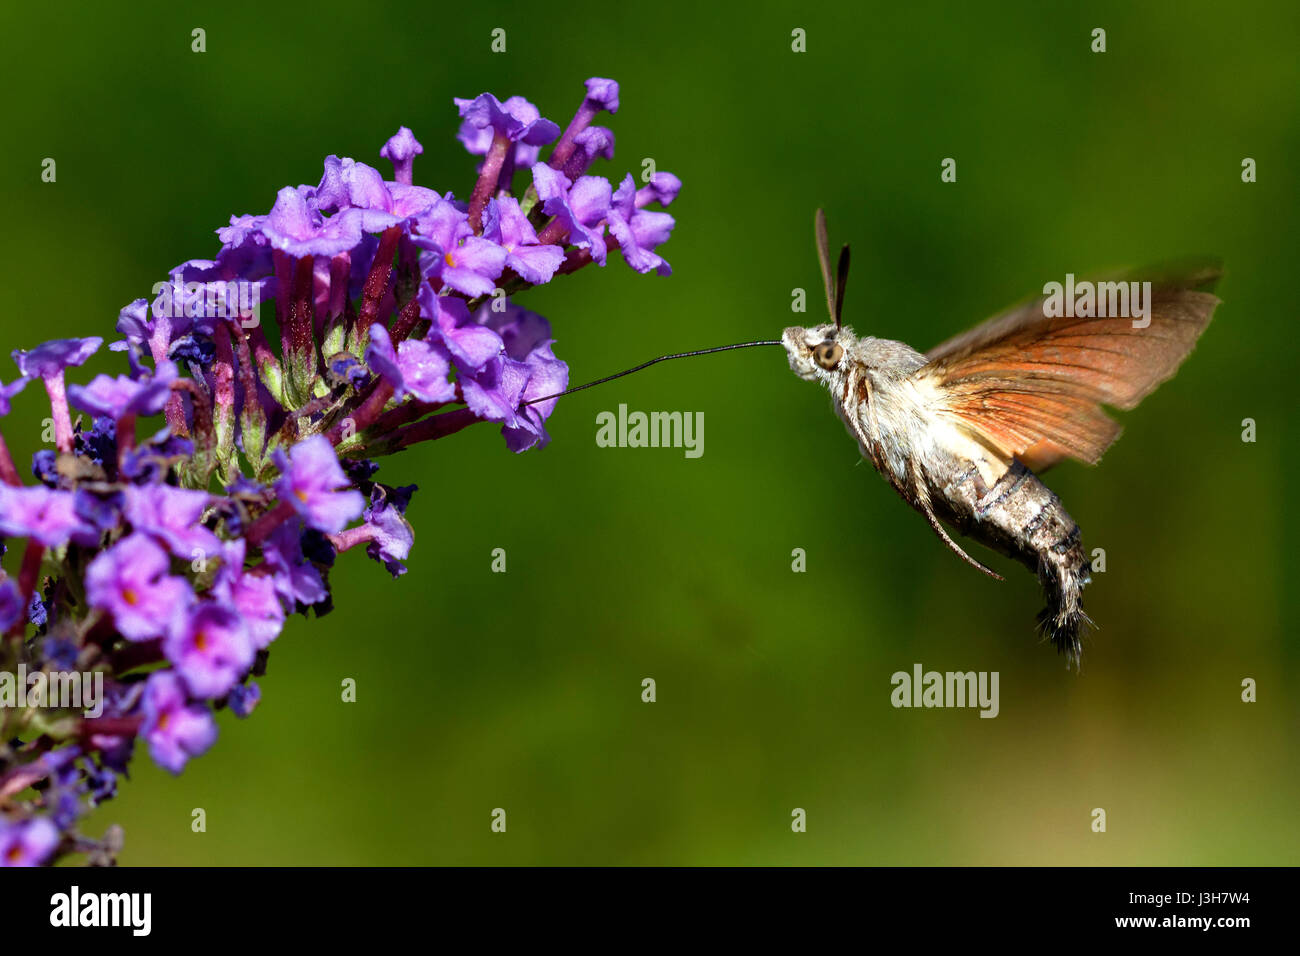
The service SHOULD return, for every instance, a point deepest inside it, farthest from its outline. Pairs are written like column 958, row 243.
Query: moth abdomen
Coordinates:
column 1022, row 518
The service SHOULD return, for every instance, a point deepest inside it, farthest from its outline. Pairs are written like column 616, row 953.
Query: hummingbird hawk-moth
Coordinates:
column 962, row 431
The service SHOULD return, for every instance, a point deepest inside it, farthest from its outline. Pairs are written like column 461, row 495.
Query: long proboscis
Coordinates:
column 644, row 365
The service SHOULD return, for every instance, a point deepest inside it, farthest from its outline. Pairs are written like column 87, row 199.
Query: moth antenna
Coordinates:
column 653, row 361
column 841, row 280
column 824, row 260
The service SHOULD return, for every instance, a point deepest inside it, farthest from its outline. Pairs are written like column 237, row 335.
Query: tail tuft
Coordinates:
column 1064, row 620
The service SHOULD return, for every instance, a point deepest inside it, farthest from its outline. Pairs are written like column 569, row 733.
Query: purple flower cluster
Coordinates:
column 165, row 560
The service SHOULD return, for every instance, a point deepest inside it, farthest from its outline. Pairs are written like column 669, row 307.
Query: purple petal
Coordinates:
column 535, row 264
column 516, row 119
column 50, row 358
column 662, row 189
column 382, row 359
column 401, row 149
column 470, row 344
column 293, row 227
column 313, row 482
column 9, row 391
column 424, row 367
column 603, row 93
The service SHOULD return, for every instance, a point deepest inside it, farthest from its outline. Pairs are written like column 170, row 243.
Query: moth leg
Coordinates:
column 922, row 495
column 955, row 547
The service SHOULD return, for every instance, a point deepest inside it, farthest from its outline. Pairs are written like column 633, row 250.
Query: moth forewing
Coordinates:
column 1032, row 386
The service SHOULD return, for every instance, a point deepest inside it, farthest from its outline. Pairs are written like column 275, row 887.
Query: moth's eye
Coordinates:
column 828, row 354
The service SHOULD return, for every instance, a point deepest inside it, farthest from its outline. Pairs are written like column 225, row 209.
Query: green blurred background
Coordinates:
column 523, row 690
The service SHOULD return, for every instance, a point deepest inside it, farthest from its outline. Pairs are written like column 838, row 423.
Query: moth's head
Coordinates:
column 817, row 354
column 821, row 354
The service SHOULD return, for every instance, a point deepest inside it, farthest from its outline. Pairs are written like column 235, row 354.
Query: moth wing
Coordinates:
column 1032, row 387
